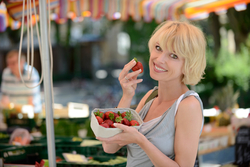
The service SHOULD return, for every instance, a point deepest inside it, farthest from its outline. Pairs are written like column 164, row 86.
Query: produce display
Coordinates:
column 108, row 118
column 112, row 161
column 137, row 66
column 3, row 136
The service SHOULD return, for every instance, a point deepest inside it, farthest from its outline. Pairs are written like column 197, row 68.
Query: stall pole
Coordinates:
column 47, row 83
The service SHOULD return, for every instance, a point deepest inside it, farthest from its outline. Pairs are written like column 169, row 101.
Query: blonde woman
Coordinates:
column 172, row 120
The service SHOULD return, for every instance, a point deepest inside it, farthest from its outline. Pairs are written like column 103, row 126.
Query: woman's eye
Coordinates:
column 174, row 56
column 158, row 48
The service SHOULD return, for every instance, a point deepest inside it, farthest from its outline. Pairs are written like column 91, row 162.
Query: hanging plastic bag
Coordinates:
column 20, row 136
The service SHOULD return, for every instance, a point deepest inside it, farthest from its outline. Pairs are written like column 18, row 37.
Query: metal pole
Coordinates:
column 47, row 83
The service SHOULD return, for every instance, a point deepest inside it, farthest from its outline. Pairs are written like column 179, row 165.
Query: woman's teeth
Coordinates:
column 160, row 69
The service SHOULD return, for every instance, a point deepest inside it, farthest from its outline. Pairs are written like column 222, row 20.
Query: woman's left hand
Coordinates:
column 129, row 135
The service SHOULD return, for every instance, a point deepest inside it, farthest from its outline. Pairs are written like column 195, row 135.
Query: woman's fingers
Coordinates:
column 109, row 140
column 126, row 69
column 132, row 75
column 136, row 81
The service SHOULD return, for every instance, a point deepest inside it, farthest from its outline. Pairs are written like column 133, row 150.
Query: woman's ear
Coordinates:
column 183, row 70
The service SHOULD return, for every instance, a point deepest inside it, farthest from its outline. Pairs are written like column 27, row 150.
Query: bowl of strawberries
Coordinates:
column 102, row 120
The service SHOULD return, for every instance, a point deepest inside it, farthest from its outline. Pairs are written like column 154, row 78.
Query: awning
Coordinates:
column 199, row 9
column 61, row 10
column 138, row 10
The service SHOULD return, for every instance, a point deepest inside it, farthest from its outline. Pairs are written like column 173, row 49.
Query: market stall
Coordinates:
column 139, row 10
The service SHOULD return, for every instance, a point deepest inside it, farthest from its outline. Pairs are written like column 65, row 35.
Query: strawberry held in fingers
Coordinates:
column 137, row 66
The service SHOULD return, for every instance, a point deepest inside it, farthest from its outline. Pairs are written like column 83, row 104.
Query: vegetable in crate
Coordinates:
column 111, row 161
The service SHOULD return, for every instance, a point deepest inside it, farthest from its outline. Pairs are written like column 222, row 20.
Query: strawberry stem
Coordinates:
column 135, row 59
column 118, row 119
column 128, row 115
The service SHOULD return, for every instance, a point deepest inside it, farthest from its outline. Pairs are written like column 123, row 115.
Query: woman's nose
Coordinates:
column 161, row 58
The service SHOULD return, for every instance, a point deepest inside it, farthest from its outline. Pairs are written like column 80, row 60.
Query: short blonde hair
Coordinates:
column 187, row 41
column 12, row 53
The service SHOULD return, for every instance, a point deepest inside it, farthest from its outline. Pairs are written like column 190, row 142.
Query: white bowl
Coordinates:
column 100, row 131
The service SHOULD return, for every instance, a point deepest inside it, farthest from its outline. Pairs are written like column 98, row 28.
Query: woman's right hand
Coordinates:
column 128, row 80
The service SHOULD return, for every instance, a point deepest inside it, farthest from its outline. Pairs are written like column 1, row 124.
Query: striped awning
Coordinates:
column 138, row 10
column 199, row 9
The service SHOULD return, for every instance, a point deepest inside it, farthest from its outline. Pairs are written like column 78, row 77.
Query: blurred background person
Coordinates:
column 14, row 90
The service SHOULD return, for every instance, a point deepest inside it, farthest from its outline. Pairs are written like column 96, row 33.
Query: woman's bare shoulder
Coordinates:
column 189, row 109
column 143, row 100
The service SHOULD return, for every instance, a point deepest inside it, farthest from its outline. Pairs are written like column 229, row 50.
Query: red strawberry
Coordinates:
column 109, row 122
column 116, row 115
column 128, row 115
column 105, row 125
column 125, row 122
column 123, row 114
column 112, row 126
column 99, row 113
column 107, row 116
column 99, row 119
column 119, row 119
column 137, row 66
column 134, row 123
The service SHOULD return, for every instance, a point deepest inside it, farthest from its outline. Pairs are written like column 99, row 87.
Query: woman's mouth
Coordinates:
column 159, row 69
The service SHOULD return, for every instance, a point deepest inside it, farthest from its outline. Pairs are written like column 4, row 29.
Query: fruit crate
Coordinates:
column 71, row 140
column 4, row 143
column 31, row 154
column 26, row 123
column 67, row 145
column 98, row 150
column 74, row 144
column 38, row 150
column 21, row 154
column 97, row 161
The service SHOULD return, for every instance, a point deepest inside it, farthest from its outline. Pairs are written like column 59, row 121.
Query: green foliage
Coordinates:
column 90, row 133
column 14, row 35
column 64, row 127
column 233, row 66
column 140, row 33
column 225, row 97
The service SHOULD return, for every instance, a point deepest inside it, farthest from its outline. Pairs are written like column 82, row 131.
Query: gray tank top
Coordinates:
column 161, row 134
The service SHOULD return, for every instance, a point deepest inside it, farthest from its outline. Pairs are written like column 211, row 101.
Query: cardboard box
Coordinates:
column 100, row 131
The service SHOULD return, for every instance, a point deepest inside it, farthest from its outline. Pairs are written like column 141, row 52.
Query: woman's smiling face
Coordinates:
column 164, row 65
column 177, row 51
